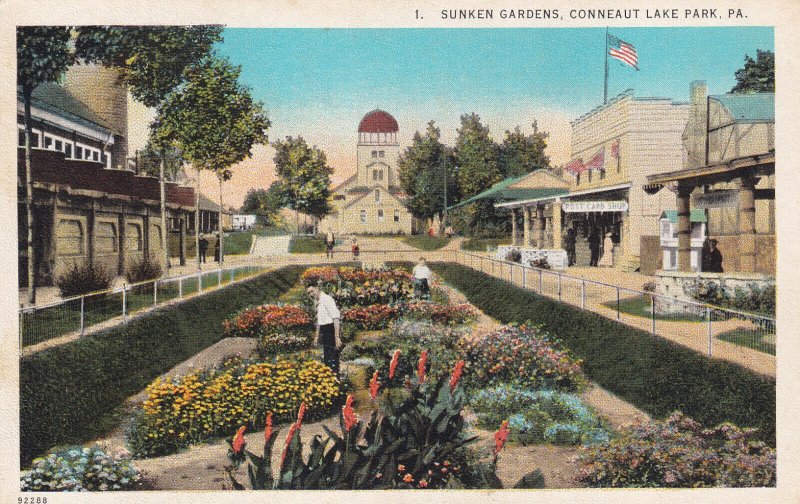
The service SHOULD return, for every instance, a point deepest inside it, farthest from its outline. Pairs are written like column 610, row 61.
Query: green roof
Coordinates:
column 697, row 215
column 50, row 95
column 753, row 107
column 501, row 191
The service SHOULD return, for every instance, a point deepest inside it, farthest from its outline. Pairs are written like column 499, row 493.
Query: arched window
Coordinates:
column 106, row 238
column 69, row 237
column 397, row 215
column 380, row 215
column 363, row 215
column 377, row 175
column 133, row 237
column 155, row 237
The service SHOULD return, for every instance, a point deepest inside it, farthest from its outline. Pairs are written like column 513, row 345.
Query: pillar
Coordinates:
column 526, row 226
column 513, row 226
column 747, row 224
column 684, row 229
column 538, row 230
column 90, row 227
column 121, row 242
column 182, row 239
column 557, row 231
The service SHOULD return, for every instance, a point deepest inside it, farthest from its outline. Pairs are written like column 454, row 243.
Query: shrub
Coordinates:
column 752, row 298
column 142, row 270
column 513, row 255
column 523, row 355
column 417, row 441
column 83, row 278
column 192, row 408
column 377, row 316
column 540, row 263
column 79, row 469
column 656, row 375
column 538, row 416
column 482, row 244
column 65, row 392
column 461, row 313
column 678, row 452
column 649, row 287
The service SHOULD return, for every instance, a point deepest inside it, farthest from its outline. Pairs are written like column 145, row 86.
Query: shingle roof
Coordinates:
column 753, row 107
column 52, row 96
column 501, row 191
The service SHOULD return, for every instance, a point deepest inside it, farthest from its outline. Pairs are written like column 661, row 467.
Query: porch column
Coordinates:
column 557, row 224
column 182, row 240
column 684, row 229
column 747, row 224
column 538, row 230
column 513, row 226
column 526, row 226
column 121, row 240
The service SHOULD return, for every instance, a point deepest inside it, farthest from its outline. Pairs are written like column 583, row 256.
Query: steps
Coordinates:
column 270, row 246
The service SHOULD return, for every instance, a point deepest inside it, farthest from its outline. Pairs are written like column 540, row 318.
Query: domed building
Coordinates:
column 371, row 201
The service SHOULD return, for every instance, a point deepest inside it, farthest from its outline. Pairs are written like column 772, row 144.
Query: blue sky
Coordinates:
column 318, row 83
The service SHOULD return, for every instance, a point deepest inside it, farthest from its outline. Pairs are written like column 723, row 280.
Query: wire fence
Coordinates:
column 81, row 314
column 706, row 328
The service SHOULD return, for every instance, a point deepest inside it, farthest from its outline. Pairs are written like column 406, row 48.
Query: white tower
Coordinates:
column 378, row 150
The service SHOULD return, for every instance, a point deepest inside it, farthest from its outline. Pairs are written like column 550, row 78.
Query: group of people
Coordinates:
column 203, row 249
column 330, row 243
column 595, row 238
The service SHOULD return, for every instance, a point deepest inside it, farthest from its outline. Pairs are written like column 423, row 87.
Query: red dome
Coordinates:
column 378, row 121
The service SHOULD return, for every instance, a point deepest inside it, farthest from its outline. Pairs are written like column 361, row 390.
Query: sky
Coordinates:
column 319, row 83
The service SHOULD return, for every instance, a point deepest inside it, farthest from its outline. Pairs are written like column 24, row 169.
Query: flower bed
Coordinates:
column 678, row 452
column 377, row 316
column 78, row 469
column 523, row 355
column 192, row 408
column 278, row 328
column 538, row 416
column 451, row 313
column 354, row 287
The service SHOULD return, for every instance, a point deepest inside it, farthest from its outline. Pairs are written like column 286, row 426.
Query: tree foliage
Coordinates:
column 421, row 168
column 151, row 60
column 477, row 157
column 521, row 153
column 757, row 75
column 304, row 175
column 211, row 118
column 266, row 203
column 148, row 161
column 43, row 55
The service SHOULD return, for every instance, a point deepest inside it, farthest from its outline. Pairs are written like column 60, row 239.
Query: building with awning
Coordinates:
column 614, row 148
column 729, row 175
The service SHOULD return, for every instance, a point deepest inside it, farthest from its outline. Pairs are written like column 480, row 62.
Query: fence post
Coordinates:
column 219, row 277
column 180, row 287
column 199, row 282
column 617, row 303
column 559, row 286
column 583, row 294
column 710, row 334
column 83, row 324
column 124, row 302
column 524, row 277
column 653, row 313
column 511, row 273
column 155, row 293
column 541, row 289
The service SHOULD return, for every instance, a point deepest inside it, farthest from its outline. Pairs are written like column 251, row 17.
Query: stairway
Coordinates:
column 270, row 246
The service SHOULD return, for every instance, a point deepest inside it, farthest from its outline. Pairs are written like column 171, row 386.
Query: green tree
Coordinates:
column 422, row 174
column 305, row 176
column 757, row 75
column 213, row 121
column 148, row 162
column 521, row 153
column 43, row 55
column 266, row 203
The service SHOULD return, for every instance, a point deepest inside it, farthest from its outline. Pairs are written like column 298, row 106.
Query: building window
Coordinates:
column 78, row 152
column 397, row 215
column 602, row 174
column 155, row 237
column 363, row 216
column 380, row 215
column 377, row 175
column 374, row 153
column 381, row 153
column 68, row 150
column 48, row 141
column 578, row 179
column 133, row 238
column 106, row 238
column 69, row 237
column 590, row 176
column 377, row 195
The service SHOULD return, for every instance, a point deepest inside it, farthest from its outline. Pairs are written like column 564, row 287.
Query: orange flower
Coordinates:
column 289, row 437
column 408, row 478
column 268, row 428
column 456, row 375
column 238, row 440
column 500, row 437
column 393, row 364
column 423, row 360
column 348, row 414
column 300, row 414
column 373, row 386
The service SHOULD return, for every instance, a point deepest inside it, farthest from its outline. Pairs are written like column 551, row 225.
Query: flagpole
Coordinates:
column 605, row 81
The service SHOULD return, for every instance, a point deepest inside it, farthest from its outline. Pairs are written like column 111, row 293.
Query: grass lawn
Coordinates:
column 307, row 245
column 750, row 339
column 238, row 243
column 640, row 306
column 424, row 242
column 481, row 244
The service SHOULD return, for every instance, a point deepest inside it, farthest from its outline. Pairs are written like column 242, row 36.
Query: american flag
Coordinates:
column 598, row 161
column 615, row 149
column 623, row 51
column 575, row 166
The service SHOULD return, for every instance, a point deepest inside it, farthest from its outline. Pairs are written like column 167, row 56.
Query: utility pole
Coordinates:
column 164, row 244
column 444, row 213
column 605, row 58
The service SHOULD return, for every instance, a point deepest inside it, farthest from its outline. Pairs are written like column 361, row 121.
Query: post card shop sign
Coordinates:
column 595, row 206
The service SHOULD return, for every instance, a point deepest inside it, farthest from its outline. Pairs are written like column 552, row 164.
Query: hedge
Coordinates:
column 73, row 393
column 656, row 375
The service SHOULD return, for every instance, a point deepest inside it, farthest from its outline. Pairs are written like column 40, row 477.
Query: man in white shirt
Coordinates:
column 328, row 327
column 422, row 277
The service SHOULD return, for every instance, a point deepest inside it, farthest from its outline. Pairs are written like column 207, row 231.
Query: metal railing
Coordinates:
column 705, row 328
column 78, row 315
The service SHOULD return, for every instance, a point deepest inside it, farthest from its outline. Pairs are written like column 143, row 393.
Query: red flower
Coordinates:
column 500, row 437
column 238, row 440
column 348, row 414
column 423, row 360
column 268, row 428
column 300, row 414
column 373, row 386
column 393, row 364
column 292, row 430
column 456, row 375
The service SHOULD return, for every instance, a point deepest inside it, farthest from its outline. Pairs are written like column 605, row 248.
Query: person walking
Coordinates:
column 607, row 259
column 422, row 279
column 330, row 241
column 203, row 249
column 714, row 257
column 216, row 249
column 354, row 248
column 594, row 246
column 569, row 246
column 327, row 327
